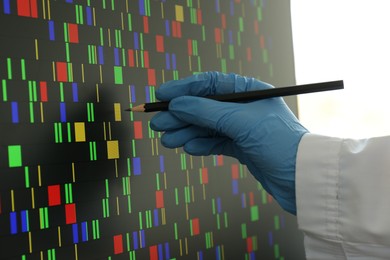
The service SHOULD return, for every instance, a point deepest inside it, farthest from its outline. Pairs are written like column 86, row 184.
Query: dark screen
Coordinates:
column 80, row 178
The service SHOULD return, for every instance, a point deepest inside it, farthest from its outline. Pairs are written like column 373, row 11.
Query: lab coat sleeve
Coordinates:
column 343, row 197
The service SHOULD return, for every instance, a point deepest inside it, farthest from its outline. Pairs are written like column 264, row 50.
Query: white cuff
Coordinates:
column 317, row 178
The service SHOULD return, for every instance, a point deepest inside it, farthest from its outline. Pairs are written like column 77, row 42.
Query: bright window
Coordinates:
column 349, row 40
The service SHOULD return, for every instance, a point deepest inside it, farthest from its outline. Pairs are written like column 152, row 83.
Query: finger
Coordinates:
column 222, row 117
column 217, row 146
column 177, row 138
column 166, row 121
column 208, row 83
column 182, row 87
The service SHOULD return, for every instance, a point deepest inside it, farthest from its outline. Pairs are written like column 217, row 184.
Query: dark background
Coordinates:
column 237, row 219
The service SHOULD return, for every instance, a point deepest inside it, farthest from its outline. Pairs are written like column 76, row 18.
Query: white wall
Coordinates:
column 349, row 40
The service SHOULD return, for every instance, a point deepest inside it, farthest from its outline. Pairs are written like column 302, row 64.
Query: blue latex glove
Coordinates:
column 264, row 135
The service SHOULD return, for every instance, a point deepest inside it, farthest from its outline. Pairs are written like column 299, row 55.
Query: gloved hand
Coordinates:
column 264, row 135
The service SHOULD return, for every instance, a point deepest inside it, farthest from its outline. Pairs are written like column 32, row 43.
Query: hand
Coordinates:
column 264, row 135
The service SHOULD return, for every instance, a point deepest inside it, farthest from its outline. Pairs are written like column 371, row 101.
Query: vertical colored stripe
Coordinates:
column 153, row 253
column 137, row 166
column 159, row 199
column 130, row 56
column 199, row 16
column 249, row 245
column 276, row 222
column 218, row 253
column 73, row 33
column 205, row 176
column 4, row 88
column 6, row 6
column 24, row 218
column 243, row 231
column 54, row 195
column 62, row 92
column 173, row 61
column 117, row 112
column 251, row 199
column 167, row 254
column 146, row 59
column 79, row 131
column 176, row 231
column 159, row 43
column 84, row 231
column 118, row 74
column 160, row 251
column 270, row 238
column 9, row 68
column 162, row 166
column 27, row 176
column 132, row 90
column 51, row 30
column 146, row 24
column 63, row 112
column 254, row 213
column 230, row 36
column 175, row 29
column 135, row 240
column 151, row 77
column 223, row 21
column 248, row 54
column 14, row 155
column 147, row 94
column 138, row 130
column 100, row 55
column 23, row 68
column 129, row 22
column 75, row 234
column 234, row 169
column 70, row 213
column 23, row 7
column 75, row 92
column 235, row 187
column 219, row 160
column 116, row 57
column 195, row 226
column 167, row 28
column 219, row 207
column 43, row 91
column 155, row 217
column 136, row 41
column 15, row 112
column 113, row 149
column 243, row 200
column 89, row 15
column 34, row 8
column 62, row 71
column 189, row 47
column 141, row 5
column 13, row 222
column 217, row 35
column 118, row 244
column 143, row 241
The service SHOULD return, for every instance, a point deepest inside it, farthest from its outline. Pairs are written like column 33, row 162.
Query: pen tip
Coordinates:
column 139, row 108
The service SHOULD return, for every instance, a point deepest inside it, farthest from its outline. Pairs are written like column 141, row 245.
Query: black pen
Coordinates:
column 251, row 95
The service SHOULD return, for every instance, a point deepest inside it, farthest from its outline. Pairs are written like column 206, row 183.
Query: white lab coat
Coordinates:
column 343, row 197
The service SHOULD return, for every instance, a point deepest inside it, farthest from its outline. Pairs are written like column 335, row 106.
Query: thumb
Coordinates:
column 221, row 117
